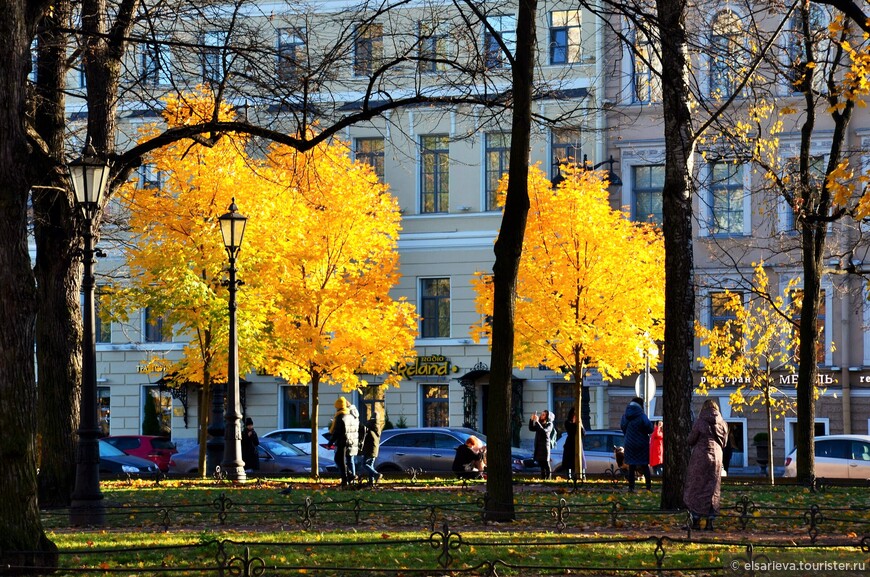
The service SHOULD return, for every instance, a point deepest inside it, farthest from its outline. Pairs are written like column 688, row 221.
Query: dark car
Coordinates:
column 116, row 462
column 156, row 449
column 429, row 449
column 275, row 457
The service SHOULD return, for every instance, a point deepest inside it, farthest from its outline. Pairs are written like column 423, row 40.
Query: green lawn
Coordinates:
column 435, row 527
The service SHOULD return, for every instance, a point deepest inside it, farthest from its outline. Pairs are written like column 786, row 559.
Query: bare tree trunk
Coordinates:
column 22, row 539
column 315, row 408
column 679, row 264
column 58, row 279
column 508, row 249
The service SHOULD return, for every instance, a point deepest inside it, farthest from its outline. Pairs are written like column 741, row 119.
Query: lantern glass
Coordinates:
column 233, row 228
column 89, row 177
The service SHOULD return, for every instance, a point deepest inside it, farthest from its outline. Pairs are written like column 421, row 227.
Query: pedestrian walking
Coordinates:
column 569, row 454
column 543, row 429
column 704, row 476
column 637, row 428
column 371, row 445
column 345, row 437
column 250, row 442
column 728, row 451
column 657, row 448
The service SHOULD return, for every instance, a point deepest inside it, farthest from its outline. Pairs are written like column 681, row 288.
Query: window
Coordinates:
column 821, row 343
column 102, row 327
column 647, row 84
column 436, row 407
column 150, row 178
column 435, row 307
column 156, row 412
column 727, row 54
column 498, row 148
column 820, row 429
column 726, row 198
column 434, row 173
column 157, row 330
column 648, row 182
column 434, row 52
column 720, row 312
column 154, row 63
column 792, row 173
column 564, row 149
column 370, row 151
column 291, row 53
column 294, row 408
column 104, row 406
column 564, row 36
column 371, row 397
column 368, row 49
column 819, row 18
column 504, row 27
column 213, row 68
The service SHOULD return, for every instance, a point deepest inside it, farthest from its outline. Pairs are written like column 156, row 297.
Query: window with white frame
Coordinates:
column 727, row 54
column 291, row 55
column 434, row 173
column 370, row 151
column 565, row 148
column 822, row 345
column 102, row 325
column 504, row 27
column 792, row 177
column 368, row 50
column 647, row 182
column 156, row 327
column 434, row 47
column 149, row 177
column 646, row 71
column 498, row 148
column 213, row 53
column 822, row 427
column 435, row 308
column 154, row 63
column 818, row 18
column 565, row 36
column 726, row 198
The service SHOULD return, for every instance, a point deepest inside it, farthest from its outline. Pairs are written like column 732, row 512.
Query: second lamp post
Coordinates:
column 233, row 229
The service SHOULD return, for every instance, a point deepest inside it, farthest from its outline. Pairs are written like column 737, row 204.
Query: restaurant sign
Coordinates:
column 428, row 366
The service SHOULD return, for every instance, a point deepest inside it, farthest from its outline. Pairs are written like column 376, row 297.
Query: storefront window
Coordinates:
column 156, row 412
column 104, row 406
column 436, row 409
column 295, row 401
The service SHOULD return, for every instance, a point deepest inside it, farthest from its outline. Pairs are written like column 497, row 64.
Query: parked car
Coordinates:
column 276, row 456
column 837, row 457
column 429, row 449
column 300, row 437
column 598, row 448
column 156, row 449
column 116, row 462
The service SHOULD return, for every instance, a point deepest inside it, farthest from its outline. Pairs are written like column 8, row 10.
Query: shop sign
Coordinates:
column 429, row 366
column 824, row 379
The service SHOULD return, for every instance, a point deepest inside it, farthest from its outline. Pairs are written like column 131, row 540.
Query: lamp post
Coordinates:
column 89, row 177
column 232, row 230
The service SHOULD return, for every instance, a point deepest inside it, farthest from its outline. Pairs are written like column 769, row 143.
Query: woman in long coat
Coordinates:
column 637, row 428
column 704, row 478
column 543, row 428
column 569, row 454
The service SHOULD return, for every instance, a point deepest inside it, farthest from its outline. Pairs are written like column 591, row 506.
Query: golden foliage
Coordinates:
column 591, row 282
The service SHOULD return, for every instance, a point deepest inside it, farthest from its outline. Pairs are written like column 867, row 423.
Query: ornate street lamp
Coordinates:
column 89, row 176
column 232, row 230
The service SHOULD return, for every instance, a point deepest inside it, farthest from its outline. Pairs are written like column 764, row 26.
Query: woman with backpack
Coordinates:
column 543, row 429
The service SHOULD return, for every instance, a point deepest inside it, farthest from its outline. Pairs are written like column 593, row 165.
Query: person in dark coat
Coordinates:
column 572, row 427
column 704, row 475
column 250, row 442
column 637, row 428
column 470, row 459
column 345, row 437
column 543, row 428
column 371, row 446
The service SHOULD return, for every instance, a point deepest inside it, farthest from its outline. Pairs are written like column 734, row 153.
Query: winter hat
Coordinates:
column 249, row 421
column 341, row 403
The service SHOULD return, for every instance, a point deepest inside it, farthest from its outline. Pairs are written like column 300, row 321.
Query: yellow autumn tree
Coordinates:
column 590, row 287
column 749, row 350
column 177, row 260
column 328, row 230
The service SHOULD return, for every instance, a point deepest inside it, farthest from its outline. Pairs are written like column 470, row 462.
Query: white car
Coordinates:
column 837, row 457
column 300, row 437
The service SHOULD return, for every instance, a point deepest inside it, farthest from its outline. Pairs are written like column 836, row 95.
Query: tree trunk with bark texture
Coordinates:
column 508, row 250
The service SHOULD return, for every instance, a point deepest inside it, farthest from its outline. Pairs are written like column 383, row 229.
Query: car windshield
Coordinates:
column 107, row 450
column 280, row 448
